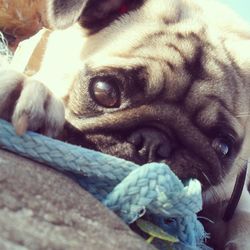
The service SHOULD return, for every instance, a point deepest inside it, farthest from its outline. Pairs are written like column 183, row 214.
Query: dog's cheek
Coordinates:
column 184, row 163
column 188, row 165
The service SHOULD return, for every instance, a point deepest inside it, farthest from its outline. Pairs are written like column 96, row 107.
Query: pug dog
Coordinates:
column 148, row 81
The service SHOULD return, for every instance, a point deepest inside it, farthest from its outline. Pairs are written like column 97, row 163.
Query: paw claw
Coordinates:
column 30, row 105
column 21, row 125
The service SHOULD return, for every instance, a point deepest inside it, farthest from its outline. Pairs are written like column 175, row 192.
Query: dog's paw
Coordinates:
column 29, row 105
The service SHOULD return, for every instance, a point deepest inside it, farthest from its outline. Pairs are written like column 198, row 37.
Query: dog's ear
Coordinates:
column 64, row 13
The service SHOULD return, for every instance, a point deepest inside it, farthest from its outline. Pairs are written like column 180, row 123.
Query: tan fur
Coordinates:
column 163, row 37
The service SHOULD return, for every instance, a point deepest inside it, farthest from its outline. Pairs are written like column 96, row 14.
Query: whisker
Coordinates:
column 243, row 114
column 207, row 178
column 243, row 159
column 212, row 191
column 238, row 116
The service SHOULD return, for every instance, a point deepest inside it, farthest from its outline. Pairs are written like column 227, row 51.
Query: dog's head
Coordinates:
column 160, row 81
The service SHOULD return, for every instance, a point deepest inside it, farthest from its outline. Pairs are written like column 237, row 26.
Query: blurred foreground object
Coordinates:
column 5, row 53
column 41, row 208
column 20, row 19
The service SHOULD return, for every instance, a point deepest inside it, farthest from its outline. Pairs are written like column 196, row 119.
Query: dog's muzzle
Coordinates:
column 151, row 144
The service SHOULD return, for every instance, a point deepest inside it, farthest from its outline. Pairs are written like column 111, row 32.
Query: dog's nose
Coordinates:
column 151, row 144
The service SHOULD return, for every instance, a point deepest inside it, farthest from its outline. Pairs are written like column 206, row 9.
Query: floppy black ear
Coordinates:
column 64, row 13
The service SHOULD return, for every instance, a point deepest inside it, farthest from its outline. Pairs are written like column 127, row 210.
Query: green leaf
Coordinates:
column 155, row 231
column 150, row 239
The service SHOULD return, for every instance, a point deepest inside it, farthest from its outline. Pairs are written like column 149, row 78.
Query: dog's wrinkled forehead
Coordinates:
column 177, row 42
column 122, row 33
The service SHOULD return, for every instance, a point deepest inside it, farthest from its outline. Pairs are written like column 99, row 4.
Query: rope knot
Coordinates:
column 126, row 188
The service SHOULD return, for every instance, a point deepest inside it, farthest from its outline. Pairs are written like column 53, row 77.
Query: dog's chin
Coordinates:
column 184, row 163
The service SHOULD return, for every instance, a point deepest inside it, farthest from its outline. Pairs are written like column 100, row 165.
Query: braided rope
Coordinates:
column 152, row 188
column 136, row 189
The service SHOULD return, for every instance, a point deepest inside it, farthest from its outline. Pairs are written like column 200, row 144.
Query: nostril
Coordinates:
column 137, row 140
column 151, row 144
column 163, row 150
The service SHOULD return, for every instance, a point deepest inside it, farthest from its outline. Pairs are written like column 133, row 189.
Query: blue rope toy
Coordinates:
column 126, row 188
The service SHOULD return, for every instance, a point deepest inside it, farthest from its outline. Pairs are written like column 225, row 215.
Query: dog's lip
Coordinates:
column 105, row 124
column 176, row 168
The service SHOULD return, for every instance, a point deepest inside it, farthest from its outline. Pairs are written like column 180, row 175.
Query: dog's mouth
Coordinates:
column 144, row 144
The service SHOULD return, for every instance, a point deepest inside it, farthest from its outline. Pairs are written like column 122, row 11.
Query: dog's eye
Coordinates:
column 105, row 94
column 222, row 146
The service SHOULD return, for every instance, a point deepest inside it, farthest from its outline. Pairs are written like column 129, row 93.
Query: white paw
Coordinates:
column 29, row 104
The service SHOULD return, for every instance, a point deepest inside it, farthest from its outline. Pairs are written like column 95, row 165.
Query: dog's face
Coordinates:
column 145, row 80
column 160, row 81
